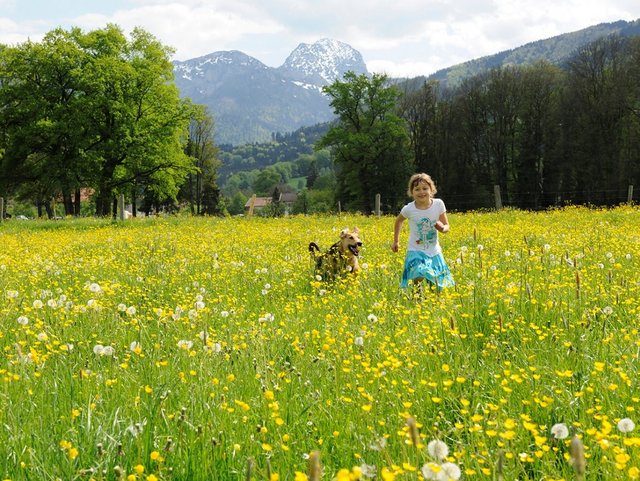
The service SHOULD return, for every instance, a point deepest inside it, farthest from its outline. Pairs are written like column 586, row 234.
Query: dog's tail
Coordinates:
column 313, row 247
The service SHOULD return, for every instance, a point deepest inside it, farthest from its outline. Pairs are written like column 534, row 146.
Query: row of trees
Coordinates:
column 98, row 112
column 545, row 134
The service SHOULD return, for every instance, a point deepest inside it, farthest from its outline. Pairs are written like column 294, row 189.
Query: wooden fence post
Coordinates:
column 630, row 194
column 496, row 194
column 378, row 205
column 121, row 207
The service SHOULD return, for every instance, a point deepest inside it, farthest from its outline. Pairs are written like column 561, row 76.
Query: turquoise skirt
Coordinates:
column 418, row 265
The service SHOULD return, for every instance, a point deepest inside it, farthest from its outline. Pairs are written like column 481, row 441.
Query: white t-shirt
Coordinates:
column 423, row 235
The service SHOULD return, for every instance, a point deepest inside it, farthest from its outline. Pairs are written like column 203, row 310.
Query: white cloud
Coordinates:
column 404, row 38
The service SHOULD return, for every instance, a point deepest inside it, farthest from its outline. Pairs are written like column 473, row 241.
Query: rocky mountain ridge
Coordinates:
column 250, row 101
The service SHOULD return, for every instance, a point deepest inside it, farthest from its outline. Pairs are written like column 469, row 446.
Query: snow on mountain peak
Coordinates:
column 325, row 61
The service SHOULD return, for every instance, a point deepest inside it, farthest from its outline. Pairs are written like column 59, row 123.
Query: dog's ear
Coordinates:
column 355, row 230
column 344, row 233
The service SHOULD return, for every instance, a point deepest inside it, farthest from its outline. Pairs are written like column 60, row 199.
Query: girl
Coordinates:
column 427, row 216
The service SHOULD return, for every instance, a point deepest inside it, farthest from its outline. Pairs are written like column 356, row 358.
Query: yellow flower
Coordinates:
column 152, row 477
column 300, row 476
column 139, row 469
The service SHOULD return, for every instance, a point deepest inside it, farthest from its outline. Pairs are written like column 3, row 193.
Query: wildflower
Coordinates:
column 359, row 341
column 23, row 320
column 449, row 471
column 43, row 337
column 131, row 311
column 12, row 294
column 607, row 310
column 430, row 470
column 199, row 305
column 94, row 287
column 52, row 303
column 122, row 307
column 224, row 314
column 626, row 425
column 37, row 304
column 438, row 449
column 560, row 431
column 372, row 318
column 135, row 347
column 185, row 344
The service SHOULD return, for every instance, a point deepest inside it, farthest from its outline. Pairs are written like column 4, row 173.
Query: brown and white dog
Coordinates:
column 340, row 257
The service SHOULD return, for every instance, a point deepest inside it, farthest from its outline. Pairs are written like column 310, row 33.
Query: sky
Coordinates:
column 402, row 38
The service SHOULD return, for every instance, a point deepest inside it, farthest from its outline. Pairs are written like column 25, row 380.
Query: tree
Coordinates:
column 94, row 110
column 201, row 189
column 369, row 142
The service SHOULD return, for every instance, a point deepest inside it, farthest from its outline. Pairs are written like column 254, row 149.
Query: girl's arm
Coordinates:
column 397, row 227
column 442, row 225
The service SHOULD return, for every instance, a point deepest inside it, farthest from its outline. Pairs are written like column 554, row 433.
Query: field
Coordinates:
column 205, row 349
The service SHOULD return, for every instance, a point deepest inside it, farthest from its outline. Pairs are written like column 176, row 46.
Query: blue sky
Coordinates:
column 399, row 37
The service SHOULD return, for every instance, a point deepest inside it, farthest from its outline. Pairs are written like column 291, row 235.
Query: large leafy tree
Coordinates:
column 96, row 110
column 369, row 142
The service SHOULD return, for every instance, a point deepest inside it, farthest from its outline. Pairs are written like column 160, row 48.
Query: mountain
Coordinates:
column 556, row 50
column 249, row 100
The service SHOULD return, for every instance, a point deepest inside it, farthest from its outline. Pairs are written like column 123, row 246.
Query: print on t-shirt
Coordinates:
column 427, row 235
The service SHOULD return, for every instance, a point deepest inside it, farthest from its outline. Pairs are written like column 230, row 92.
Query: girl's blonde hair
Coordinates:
column 419, row 179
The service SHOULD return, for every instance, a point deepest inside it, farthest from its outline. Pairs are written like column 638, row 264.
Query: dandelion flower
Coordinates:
column 359, row 341
column 185, row 344
column 560, row 431
column 94, row 287
column 449, row 471
column 438, row 449
column 37, row 304
column 23, row 320
column 626, row 425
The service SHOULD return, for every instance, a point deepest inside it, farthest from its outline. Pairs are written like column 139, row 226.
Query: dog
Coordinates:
column 341, row 257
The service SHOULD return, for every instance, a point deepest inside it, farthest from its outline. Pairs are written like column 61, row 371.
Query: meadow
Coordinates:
column 206, row 349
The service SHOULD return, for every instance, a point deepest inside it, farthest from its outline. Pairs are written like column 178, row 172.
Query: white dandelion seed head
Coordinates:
column 217, row 347
column 560, row 430
column 98, row 349
column 438, row 449
column 199, row 305
column 546, row 247
column 318, row 277
column 448, row 472
column 267, row 286
column 37, row 304
column 264, row 292
column 203, row 335
column 264, row 270
column 364, row 266
column 224, row 314
column 429, row 471
column 131, row 311
column 600, row 265
column 122, row 307
column 108, row 351
column 322, row 292
column 626, row 425
column 192, row 314
column 372, row 318
column 368, row 470
column 628, row 257
column 23, row 320
column 359, row 341
column 608, row 310
column 42, row 336
column 95, row 287
column 11, row 294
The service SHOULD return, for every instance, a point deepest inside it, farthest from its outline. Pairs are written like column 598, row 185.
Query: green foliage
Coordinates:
column 369, row 142
column 95, row 111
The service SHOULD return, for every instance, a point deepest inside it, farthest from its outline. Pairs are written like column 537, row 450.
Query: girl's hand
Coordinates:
column 440, row 227
column 394, row 247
